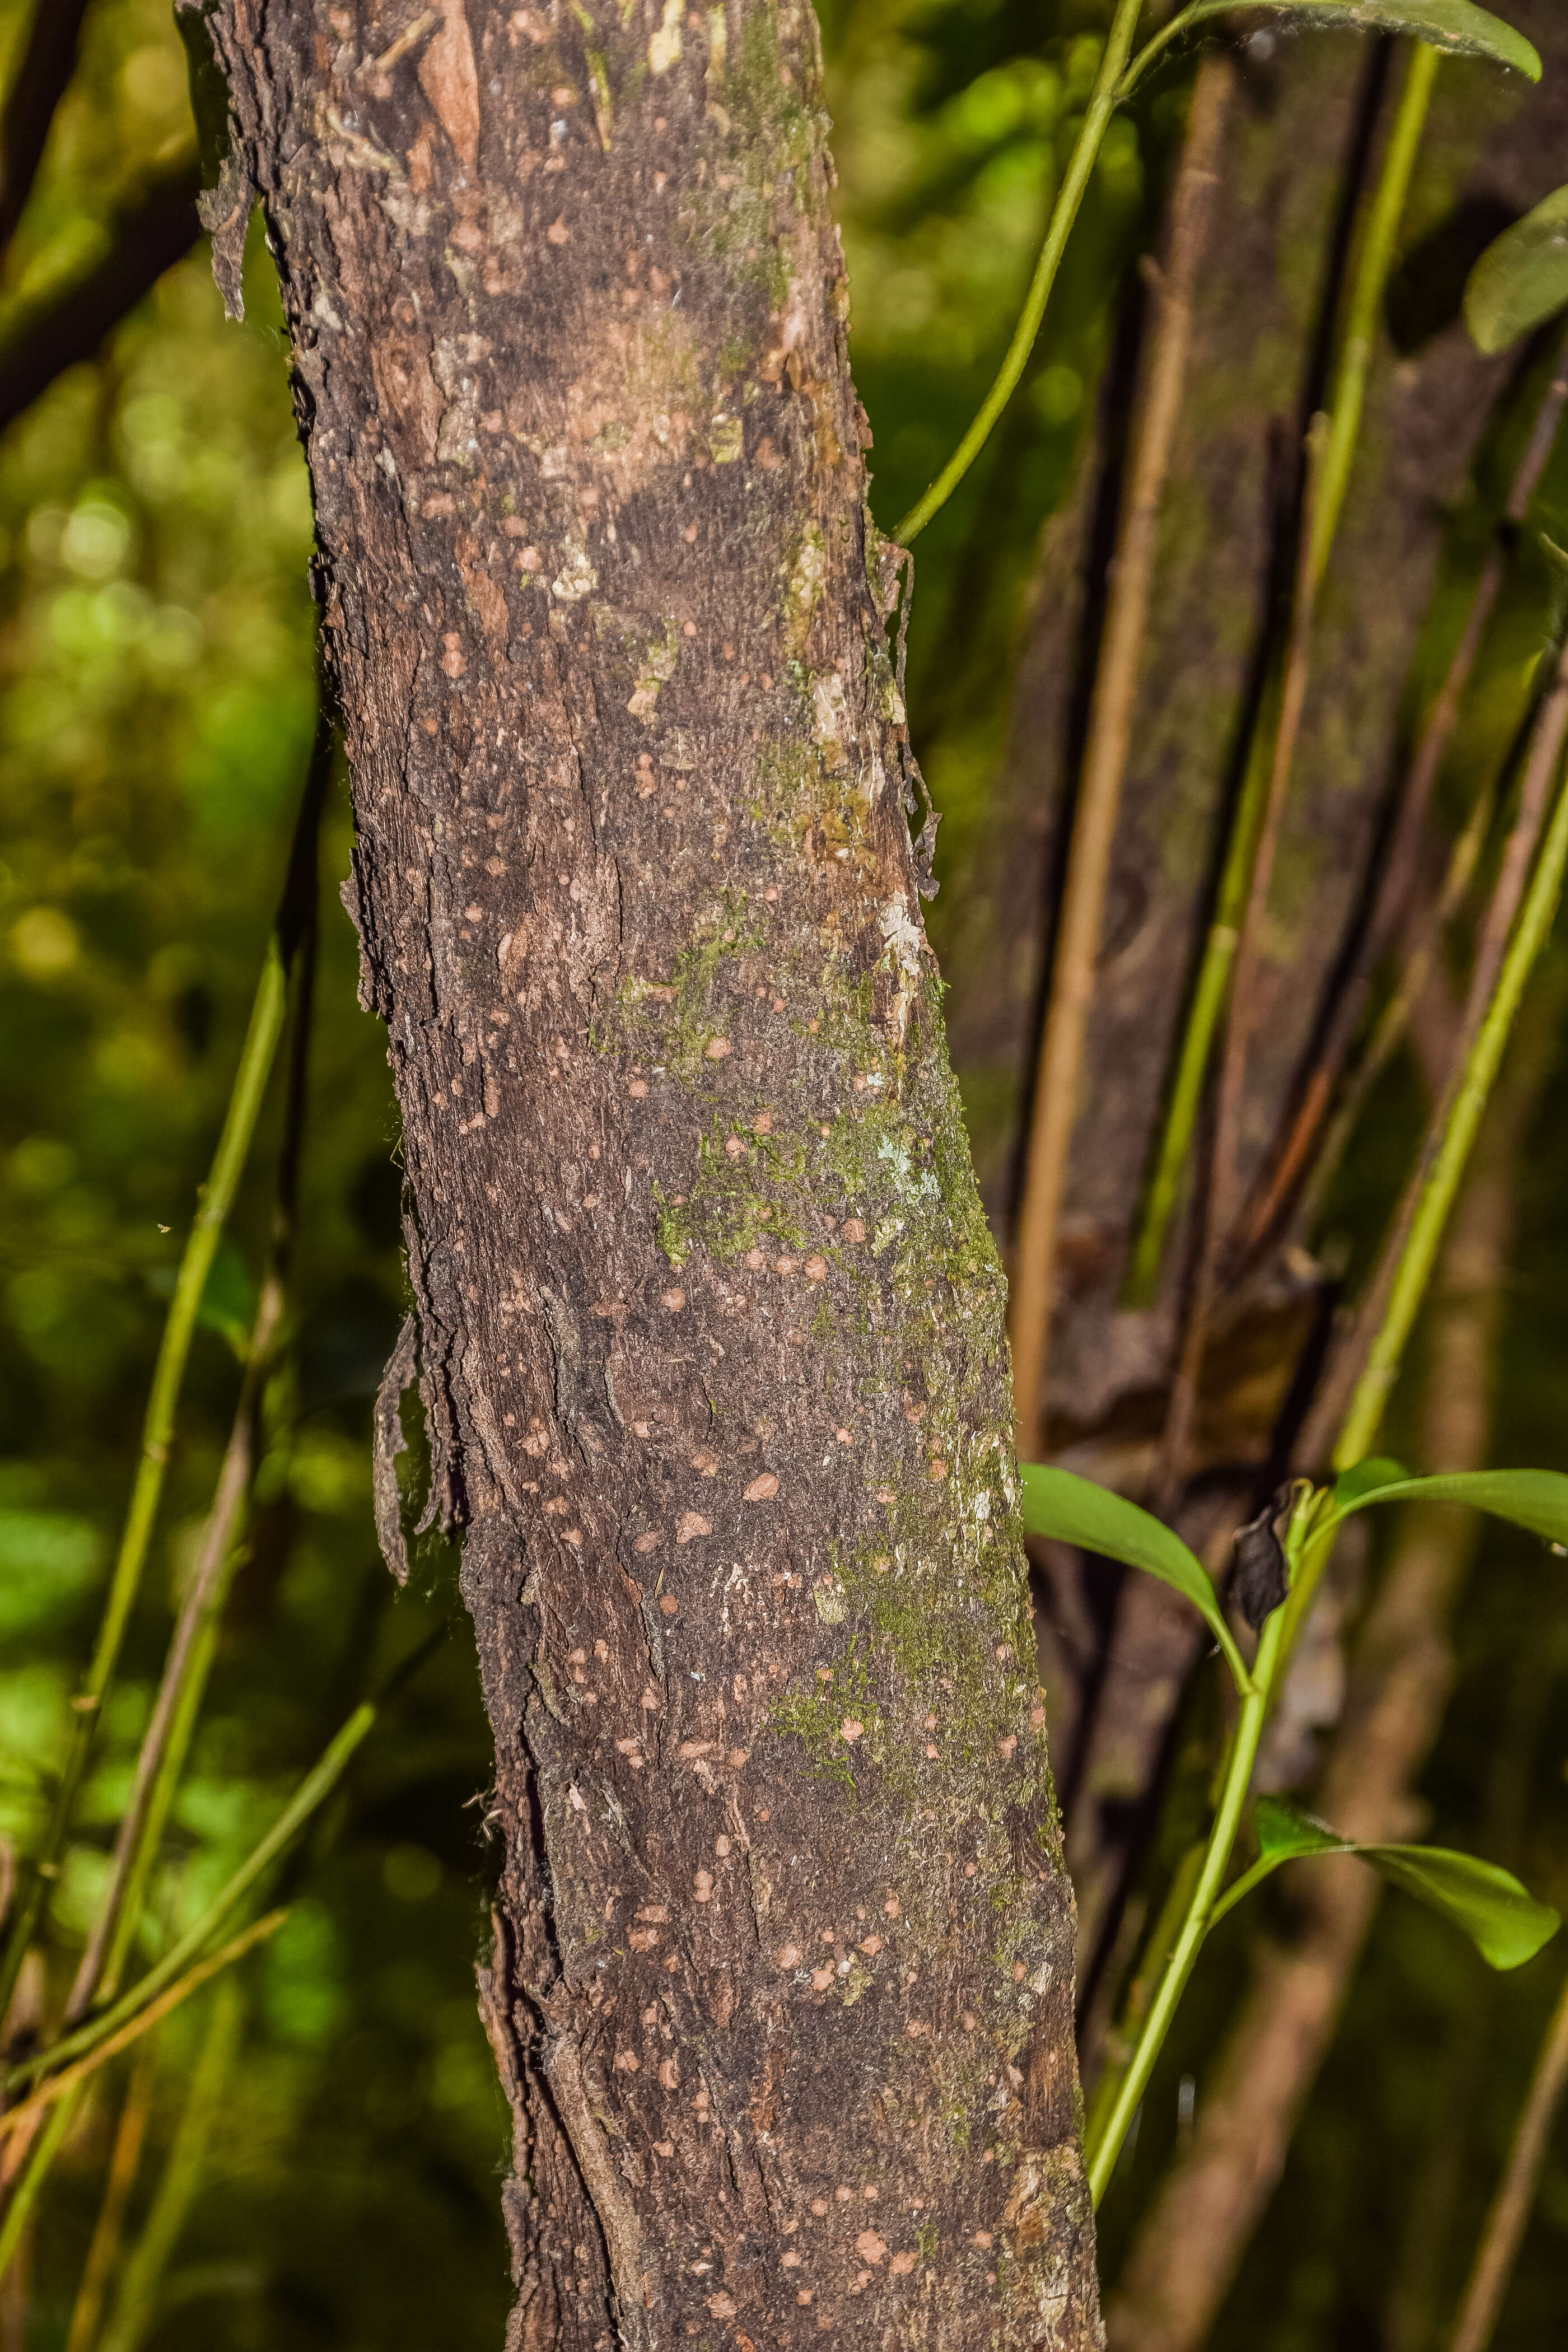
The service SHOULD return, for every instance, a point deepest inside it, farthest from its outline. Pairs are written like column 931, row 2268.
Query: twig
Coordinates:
column 42, row 77
column 142, row 2021
column 1510, row 2207
column 1064, row 212
column 156, row 229
column 135, row 2306
column 1402, row 863
column 102, row 2254
column 1099, row 806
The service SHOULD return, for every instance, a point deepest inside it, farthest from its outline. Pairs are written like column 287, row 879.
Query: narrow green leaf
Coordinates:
column 1536, row 1499
column 1502, row 1919
column 1454, row 25
column 1075, row 1510
column 1521, row 279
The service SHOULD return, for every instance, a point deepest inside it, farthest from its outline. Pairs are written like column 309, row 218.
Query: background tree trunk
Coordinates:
column 710, row 1321
column 1189, row 2242
column 1301, row 146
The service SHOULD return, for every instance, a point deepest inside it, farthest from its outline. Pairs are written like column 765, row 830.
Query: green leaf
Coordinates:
column 1075, row 1510
column 1536, row 1499
column 1521, row 279
column 1502, row 1918
column 1454, row 25
column 1283, row 1834
column 1362, row 1481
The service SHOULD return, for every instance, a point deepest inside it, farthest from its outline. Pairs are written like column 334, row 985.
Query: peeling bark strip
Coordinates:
column 711, row 1321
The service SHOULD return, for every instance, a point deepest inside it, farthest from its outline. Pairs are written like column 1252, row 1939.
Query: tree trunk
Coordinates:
column 710, row 1321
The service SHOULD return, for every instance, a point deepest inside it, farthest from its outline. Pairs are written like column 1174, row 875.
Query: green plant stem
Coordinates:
column 142, row 1833
column 135, row 2306
column 1345, row 410
column 158, row 1429
column 1064, row 212
column 1370, row 283
column 317, row 1785
column 1413, row 1271
column 194, row 1644
column 60, row 2088
column 1338, row 1418
column 36, row 2169
column 1153, row 51
column 1151, row 1965
column 1241, row 1757
column 1397, row 1292
column 290, row 926
column 167, row 1738
column 124, row 2165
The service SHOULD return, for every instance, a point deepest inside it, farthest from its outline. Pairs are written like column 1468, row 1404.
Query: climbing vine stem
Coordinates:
column 1101, row 105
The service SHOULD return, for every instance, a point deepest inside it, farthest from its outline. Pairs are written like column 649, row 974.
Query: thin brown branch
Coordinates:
column 1516, row 2193
column 1401, row 867
column 155, row 230
column 42, row 78
column 1060, row 1067
column 202, row 1597
column 1351, row 1352
column 123, row 2163
column 1194, row 2235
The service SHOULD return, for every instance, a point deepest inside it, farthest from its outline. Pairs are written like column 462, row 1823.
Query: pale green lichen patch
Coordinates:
column 838, row 1722
column 810, row 797
column 675, row 1024
column 805, row 576
column 656, row 667
column 761, row 137
column 725, row 437
column 745, row 1195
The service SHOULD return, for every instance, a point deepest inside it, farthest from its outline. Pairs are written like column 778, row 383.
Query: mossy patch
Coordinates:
column 746, row 1194
column 675, row 1023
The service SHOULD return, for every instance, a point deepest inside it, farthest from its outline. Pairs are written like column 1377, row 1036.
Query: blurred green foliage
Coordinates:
column 156, row 712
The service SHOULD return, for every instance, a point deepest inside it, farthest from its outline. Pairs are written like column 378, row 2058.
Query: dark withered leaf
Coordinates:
column 1259, row 1581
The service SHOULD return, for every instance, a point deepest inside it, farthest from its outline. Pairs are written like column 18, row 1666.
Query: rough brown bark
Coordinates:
column 711, row 1335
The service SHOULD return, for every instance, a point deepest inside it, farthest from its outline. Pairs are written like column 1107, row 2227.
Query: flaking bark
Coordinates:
column 710, row 1322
